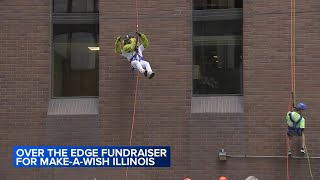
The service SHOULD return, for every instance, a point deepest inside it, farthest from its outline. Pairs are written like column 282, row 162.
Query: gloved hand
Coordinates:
column 139, row 33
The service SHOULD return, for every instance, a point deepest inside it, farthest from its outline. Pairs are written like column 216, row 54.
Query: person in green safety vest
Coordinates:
column 129, row 48
column 296, row 125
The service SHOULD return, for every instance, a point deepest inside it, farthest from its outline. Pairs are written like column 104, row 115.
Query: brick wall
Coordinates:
column 261, row 129
column 162, row 110
column 24, row 69
column 267, row 81
column 211, row 132
column 159, row 121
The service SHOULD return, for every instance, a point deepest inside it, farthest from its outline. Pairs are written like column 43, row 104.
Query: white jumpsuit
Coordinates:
column 137, row 61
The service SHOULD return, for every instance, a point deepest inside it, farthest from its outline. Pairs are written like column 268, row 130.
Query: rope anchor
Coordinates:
column 136, row 91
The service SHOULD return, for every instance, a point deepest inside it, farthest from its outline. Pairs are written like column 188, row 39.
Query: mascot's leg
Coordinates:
column 138, row 66
column 147, row 66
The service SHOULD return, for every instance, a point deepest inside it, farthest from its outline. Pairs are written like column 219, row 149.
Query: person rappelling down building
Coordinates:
column 296, row 125
column 129, row 48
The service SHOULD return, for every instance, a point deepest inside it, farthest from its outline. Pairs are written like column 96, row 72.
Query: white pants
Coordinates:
column 142, row 66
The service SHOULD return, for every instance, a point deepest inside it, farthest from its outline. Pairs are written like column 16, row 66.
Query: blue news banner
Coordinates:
column 91, row 156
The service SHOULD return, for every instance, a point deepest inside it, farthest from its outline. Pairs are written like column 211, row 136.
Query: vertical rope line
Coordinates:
column 136, row 91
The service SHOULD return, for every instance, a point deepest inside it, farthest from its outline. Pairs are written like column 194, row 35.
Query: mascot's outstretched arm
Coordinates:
column 118, row 45
column 144, row 39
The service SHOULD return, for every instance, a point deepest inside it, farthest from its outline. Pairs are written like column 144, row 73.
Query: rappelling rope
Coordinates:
column 293, row 81
column 292, row 65
column 135, row 92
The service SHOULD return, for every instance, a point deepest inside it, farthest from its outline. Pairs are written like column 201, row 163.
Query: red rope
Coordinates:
column 292, row 36
column 293, row 48
column 136, row 90
column 133, row 116
column 287, row 146
column 137, row 14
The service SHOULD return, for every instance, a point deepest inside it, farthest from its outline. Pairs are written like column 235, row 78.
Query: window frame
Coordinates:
column 212, row 15
column 68, row 18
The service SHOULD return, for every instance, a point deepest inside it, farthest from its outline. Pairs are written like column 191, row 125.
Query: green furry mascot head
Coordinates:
column 129, row 43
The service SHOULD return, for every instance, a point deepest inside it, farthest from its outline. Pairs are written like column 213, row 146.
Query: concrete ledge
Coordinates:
column 217, row 104
column 73, row 106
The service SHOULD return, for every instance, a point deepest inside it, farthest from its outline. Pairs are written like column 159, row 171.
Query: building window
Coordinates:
column 75, row 49
column 217, row 50
column 75, row 6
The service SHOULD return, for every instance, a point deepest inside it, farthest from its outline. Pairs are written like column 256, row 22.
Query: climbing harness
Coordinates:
column 294, row 127
column 135, row 57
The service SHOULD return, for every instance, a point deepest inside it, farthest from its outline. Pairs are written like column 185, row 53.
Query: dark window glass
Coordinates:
column 216, row 4
column 75, row 67
column 217, row 47
column 75, row 6
column 217, row 28
column 217, row 68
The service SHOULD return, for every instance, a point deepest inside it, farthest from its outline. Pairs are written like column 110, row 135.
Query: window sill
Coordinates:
column 73, row 106
column 217, row 104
